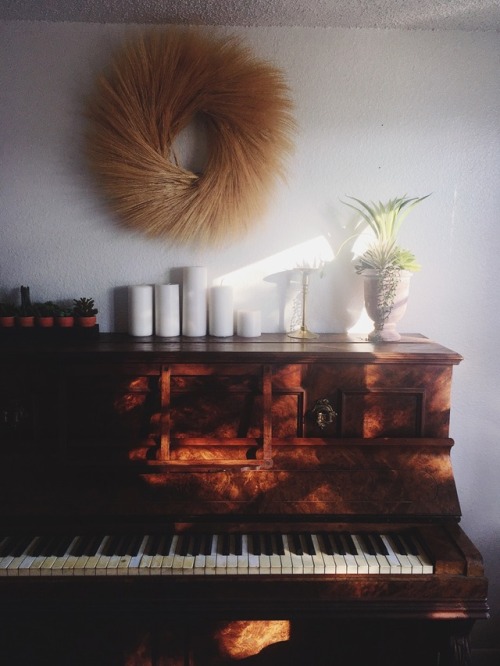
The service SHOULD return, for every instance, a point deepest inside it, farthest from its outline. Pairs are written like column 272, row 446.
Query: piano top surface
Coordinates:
column 339, row 347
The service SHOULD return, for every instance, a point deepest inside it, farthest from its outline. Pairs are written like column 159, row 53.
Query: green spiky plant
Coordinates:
column 385, row 220
column 384, row 255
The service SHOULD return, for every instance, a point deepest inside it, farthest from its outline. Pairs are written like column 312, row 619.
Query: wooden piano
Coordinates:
column 209, row 501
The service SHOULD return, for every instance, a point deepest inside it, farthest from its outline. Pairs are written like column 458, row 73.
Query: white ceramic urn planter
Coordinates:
column 383, row 308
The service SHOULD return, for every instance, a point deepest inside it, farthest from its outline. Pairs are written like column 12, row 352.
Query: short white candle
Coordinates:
column 248, row 323
column 194, row 301
column 220, row 311
column 167, row 315
column 140, row 309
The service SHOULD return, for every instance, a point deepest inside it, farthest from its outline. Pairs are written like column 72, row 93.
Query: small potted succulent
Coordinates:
column 85, row 312
column 8, row 313
column 385, row 265
column 26, row 311
column 65, row 317
column 45, row 314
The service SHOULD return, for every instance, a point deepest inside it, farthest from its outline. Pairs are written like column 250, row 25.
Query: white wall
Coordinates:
column 380, row 114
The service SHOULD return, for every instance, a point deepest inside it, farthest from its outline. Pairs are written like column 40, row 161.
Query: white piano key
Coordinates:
column 328, row 558
column 286, row 558
column 200, row 558
column 264, row 559
column 60, row 566
column 406, row 567
column 30, row 566
column 232, row 558
column 275, row 559
column 125, row 562
column 134, row 567
column 427, row 566
column 349, row 559
column 188, row 564
column 211, row 560
column 242, row 561
column 372, row 566
column 415, row 561
column 318, row 558
column 152, row 560
column 253, row 560
column 394, row 562
column 50, row 554
column 17, row 560
column 307, row 560
column 220, row 559
column 383, row 562
column 297, row 563
column 167, row 562
column 92, row 562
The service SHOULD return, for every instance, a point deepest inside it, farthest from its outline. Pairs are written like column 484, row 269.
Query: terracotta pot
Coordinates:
column 86, row 322
column 7, row 322
column 45, row 322
column 26, row 322
column 383, row 308
column 66, row 322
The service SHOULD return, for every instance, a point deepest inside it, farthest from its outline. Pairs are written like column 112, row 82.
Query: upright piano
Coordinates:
column 207, row 501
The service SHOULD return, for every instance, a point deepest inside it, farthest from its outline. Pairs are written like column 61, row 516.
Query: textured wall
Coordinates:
column 380, row 113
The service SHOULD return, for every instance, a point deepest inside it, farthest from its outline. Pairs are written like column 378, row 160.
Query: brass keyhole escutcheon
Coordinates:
column 323, row 413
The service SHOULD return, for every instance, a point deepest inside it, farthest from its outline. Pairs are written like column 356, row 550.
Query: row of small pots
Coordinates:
column 46, row 322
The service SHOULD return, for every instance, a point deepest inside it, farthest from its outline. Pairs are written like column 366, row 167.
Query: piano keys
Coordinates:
column 270, row 553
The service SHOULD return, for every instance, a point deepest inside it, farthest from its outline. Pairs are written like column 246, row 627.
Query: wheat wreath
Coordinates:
column 156, row 85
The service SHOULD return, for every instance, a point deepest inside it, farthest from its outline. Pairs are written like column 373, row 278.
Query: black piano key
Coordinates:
column 61, row 548
column 325, row 543
column 7, row 545
column 268, row 544
column 338, row 543
column 350, row 545
column 367, row 544
column 207, row 545
column 196, row 544
column 297, row 544
column 152, row 544
column 238, row 544
column 400, row 547
column 111, row 545
column 166, row 544
column 182, row 547
column 278, row 540
column 125, row 545
column 20, row 546
column 133, row 545
column 50, row 546
column 379, row 544
column 255, row 544
column 411, row 544
column 37, row 548
column 225, row 544
column 310, row 549
column 92, row 545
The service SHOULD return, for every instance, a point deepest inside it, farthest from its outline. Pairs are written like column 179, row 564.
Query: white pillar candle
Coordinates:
column 167, row 315
column 220, row 311
column 248, row 323
column 140, row 309
column 194, row 301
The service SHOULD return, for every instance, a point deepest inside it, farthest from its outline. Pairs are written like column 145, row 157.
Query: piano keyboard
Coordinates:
column 214, row 554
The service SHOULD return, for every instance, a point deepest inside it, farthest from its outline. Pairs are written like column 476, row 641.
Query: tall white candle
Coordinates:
column 140, row 309
column 248, row 323
column 167, row 315
column 194, row 301
column 220, row 311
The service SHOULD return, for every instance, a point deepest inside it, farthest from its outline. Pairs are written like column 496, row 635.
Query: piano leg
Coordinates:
column 457, row 651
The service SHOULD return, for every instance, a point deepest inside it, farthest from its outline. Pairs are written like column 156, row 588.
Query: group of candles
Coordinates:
column 156, row 309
